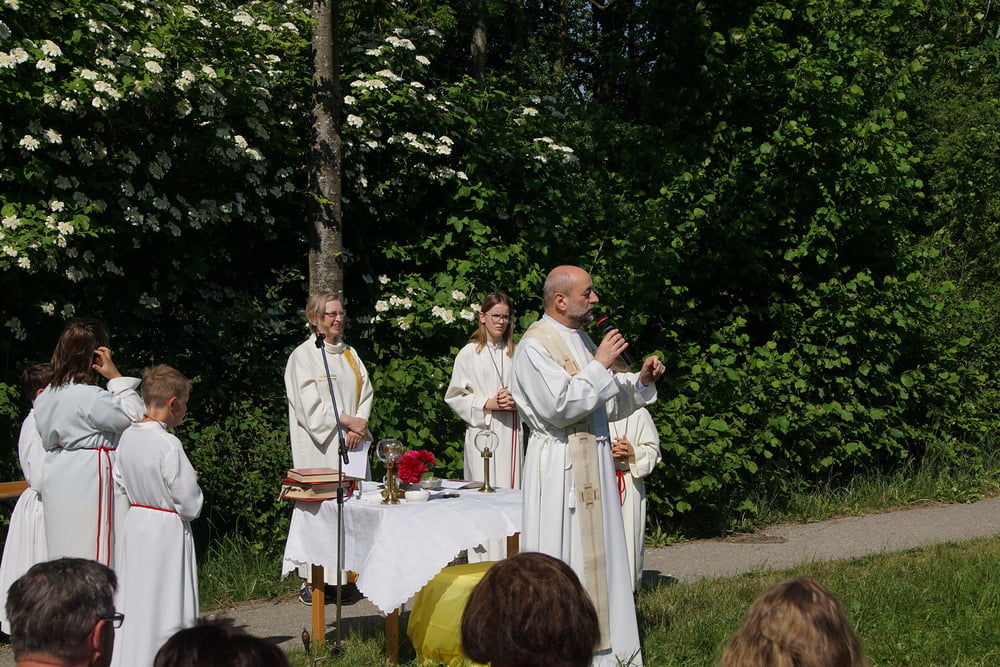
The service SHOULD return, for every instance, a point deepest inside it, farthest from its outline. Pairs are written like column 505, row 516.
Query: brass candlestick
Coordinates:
column 389, row 451
column 391, row 493
column 486, row 442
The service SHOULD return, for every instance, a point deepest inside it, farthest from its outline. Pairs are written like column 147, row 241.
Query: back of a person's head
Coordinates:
column 35, row 377
column 210, row 644
column 161, row 383
column 795, row 623
column 530, row 610
column 73, row 357
column 55, row 605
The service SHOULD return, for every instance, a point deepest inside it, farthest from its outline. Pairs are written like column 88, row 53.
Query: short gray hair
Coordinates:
column 55, row 605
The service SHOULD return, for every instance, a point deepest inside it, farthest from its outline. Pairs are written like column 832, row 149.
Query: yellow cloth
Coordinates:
column 435, row 625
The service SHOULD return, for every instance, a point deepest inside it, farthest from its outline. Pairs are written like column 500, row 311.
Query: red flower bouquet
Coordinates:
column 414, row 464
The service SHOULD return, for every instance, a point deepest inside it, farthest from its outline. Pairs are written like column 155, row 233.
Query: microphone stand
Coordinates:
column 341, row 460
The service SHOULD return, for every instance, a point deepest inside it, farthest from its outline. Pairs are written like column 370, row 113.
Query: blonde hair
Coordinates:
column 795, row 623
column 161, row 383
column 480, row 337
column 316, row 306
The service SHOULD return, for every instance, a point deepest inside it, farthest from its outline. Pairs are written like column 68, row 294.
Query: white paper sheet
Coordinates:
column 357, row 461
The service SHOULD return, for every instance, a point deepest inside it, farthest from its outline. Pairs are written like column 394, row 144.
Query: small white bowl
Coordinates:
column 417, row 496
column 431, row 483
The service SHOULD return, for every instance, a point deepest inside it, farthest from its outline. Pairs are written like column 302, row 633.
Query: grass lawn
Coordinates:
column 933, row 606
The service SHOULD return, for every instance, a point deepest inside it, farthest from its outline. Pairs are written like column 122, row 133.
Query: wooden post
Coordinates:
column 513, row 544
column 392, row 638
column 318, row 608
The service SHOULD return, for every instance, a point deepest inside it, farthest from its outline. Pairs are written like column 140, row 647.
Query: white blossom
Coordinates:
column 423, row 60
column 354, row 121
column 51, row 49
column 88, row 74
column 28, row 142
column 243, row 18
column 57, row 205
column 53, row 136
column 154, row 66
column 45, row 65
column 14, row 324
column 458, row 295
column 467, row 314
column 383, row 279
column 381, row 306
column 530, row 111
column 402, row 323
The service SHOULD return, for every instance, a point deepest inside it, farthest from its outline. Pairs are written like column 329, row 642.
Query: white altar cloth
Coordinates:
column 396, row 549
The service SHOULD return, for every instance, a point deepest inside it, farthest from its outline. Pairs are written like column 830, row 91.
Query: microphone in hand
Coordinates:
column 603, row 323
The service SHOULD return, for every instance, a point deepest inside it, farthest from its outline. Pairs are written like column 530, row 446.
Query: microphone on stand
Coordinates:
column 342, row 450
column 603, row 323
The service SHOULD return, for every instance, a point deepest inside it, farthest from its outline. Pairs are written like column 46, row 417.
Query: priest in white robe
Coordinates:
column 635, row 445
column 314, row 425
column 565, row 392
column 157, row 567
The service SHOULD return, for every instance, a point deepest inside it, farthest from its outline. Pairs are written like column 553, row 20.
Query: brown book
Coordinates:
column 313, row 475
column 319, row 491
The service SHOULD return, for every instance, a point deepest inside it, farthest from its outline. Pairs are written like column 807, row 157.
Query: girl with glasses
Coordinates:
column 479, row 394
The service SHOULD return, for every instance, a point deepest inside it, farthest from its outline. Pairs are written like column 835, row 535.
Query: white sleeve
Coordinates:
column 462, row 395
column 311, row 413
column 182, row 480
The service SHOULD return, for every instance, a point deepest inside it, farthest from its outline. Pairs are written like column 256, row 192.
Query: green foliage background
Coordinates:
column 791, row 202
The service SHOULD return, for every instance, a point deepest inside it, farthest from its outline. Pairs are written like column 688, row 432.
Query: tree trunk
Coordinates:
column 326, row 266
column 477, row 47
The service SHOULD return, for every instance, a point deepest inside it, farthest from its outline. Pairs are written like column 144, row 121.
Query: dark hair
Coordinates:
column 73, row 358
column 36, row 376
column 529, row 610
column 212, row 644
column 55, row 605
column 480, row 337
column 795, row 623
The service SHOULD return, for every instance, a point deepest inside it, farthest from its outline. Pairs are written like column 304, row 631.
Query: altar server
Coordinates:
column 565, row 392
column 157, row 567
column 80, row 424
column 635, row 445
column 479, row 393
column 25, row 543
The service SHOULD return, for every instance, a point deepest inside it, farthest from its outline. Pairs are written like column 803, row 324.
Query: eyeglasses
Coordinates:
column 340, row 314
column 116, row 619
column 499, row 318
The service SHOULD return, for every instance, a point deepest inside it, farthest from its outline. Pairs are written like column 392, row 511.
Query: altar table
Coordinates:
column 396, row 549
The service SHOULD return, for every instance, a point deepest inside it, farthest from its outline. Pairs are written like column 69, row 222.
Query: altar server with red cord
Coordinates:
column 157, row 568
column 80, row 423
column 25, row 543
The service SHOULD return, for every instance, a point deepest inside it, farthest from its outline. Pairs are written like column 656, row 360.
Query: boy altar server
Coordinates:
column 157, row 569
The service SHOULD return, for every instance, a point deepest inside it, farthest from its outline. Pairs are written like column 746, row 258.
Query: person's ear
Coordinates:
column 99, row 643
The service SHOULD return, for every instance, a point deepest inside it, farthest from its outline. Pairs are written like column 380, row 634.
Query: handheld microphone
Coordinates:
column 603, row 323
